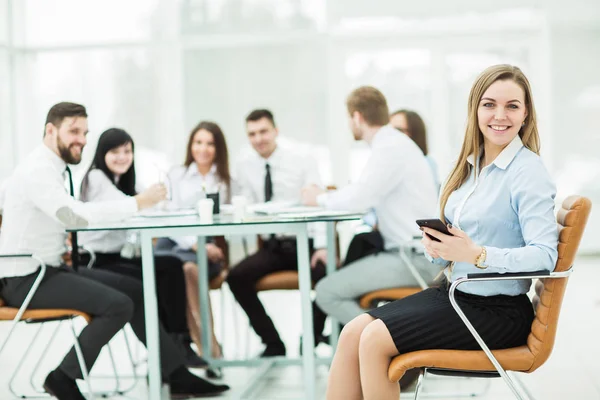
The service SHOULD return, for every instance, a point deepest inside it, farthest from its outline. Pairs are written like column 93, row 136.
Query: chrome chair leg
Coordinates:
column 522, row 386
column 134, row 376
column 114, row 367
column 420, row 382
column 42, row 357
column 84, row 370
column 20, row 364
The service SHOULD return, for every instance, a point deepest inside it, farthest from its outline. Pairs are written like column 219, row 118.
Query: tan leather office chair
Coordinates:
column 282, row 280
column 17, row 315
column 550, row 289
column 371, row 299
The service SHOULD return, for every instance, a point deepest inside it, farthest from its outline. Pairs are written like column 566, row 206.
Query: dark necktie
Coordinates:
column 272, row 243
column 74, row 245
column 268, row 184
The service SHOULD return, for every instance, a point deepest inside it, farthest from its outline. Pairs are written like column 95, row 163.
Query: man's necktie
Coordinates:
column 268, row 184
column 74, row 244
column 272, row 243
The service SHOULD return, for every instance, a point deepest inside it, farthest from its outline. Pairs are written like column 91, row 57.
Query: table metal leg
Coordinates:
column 331, row 268
column 151, row 313
column 203, row 287
column 308, row 355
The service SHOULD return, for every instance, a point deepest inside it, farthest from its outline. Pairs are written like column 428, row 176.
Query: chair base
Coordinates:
column 510, row 382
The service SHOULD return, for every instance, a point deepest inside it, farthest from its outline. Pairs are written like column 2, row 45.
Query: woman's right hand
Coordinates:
column 151, row 196
column 427, row 242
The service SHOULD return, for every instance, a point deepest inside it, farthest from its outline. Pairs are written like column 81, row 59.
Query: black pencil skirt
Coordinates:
column 426, row 320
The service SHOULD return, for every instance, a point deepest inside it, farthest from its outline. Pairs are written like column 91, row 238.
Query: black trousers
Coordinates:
column 276, row 255
column 362, row 245
column 112, row 300
column 170, row 284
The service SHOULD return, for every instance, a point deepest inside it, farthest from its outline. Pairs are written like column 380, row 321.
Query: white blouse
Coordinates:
column 187, row 185
column 100, row 188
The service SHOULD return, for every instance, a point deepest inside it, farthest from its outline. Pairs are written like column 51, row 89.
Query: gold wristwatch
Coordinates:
column 479, row 262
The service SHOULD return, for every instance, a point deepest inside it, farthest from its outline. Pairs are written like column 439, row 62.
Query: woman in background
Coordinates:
column 112, row 176
column 411, row 124
column 205, row 171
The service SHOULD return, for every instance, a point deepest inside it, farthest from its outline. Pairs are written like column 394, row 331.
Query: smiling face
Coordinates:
column 68, row 139
column 501, row 113
column 263, row 136
column 119, row 160
column 203, row 148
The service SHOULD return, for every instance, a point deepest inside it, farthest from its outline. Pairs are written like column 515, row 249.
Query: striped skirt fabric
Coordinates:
column 426, row 320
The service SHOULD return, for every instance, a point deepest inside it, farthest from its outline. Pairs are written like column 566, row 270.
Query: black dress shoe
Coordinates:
column 59, row 385
column 214, row 373
column 183, row 384
column 192, row 359
column 274, row 350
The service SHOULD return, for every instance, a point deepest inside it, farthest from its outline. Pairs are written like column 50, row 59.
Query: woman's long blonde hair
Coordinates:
column 473, row 136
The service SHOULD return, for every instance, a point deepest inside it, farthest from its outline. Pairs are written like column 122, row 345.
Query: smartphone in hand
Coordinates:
column 436, row 224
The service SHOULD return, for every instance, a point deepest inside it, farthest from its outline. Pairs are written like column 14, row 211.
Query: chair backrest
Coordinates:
column 571, row 218
column 1, row 301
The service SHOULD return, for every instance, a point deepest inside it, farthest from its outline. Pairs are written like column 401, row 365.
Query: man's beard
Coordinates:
column 65, row 153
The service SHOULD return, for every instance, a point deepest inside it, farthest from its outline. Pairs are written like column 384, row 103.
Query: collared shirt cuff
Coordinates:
column 322, row 200
column 494, row 258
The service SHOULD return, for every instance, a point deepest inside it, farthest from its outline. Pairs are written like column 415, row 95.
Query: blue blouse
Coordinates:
column 509, row 209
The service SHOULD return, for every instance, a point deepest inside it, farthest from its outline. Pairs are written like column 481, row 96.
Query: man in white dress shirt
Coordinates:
column 36, row 210
column 271, row 173
column 398, row 184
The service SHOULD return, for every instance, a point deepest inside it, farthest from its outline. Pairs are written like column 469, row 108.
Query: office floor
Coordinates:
column 571, row 371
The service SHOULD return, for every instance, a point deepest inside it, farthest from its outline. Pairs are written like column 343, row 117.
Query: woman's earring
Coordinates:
column 523, row 124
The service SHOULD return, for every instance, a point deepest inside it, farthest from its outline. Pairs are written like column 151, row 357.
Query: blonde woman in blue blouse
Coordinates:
column 499, row 205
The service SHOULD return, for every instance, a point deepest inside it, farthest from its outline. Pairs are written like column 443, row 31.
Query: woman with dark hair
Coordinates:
column 205, row 171
column 112, row 176
column 411, row 124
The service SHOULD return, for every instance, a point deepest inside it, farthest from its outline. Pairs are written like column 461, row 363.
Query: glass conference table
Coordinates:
column 161, row 225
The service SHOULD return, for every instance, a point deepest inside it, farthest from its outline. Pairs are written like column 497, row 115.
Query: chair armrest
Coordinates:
column 34, row 287
column 16, row 255
column 92, row 256
column 491, row 276
column 494, row 276
column 541, row 274
column 91, row 252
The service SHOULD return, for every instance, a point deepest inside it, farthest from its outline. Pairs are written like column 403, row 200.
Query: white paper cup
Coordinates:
column 239, row 204
column 205, row 209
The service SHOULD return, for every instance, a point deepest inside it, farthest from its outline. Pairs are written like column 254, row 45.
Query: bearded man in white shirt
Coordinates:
column 271, row 173
column 398, row 184
column 36, row 210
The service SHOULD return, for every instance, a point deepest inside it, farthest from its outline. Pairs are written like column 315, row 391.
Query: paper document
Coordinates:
column 150, row 213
